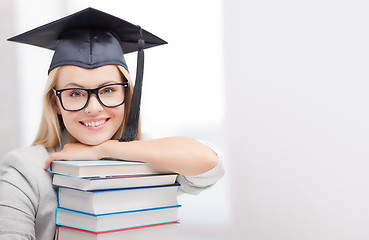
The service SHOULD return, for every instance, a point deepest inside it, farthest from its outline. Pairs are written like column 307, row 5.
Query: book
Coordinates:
column 117, row 200
column 104, row 168
column 116, row 221
column 166, row 231
column 113, row 182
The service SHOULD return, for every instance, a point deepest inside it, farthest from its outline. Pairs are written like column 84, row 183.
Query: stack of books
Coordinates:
column 111, row 199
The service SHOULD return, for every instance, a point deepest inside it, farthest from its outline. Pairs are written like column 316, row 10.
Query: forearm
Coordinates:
column 178, row 154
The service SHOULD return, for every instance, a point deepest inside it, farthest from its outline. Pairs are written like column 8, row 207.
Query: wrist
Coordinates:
column 101, row 150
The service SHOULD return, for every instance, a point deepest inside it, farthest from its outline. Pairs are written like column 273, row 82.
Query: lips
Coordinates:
column 94, row 123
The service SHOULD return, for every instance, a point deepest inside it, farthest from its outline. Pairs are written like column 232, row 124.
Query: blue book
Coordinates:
column 116, row 221
column 117, row 200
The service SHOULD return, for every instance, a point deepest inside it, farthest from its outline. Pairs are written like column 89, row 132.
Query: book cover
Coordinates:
column 117, row 200
column 116, row 221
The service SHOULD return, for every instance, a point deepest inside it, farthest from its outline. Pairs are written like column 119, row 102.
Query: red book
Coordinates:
column 165, row 231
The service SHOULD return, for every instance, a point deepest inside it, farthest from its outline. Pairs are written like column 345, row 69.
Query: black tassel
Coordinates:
column 131, row 131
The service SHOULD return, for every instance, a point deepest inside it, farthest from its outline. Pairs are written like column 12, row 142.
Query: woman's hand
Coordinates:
column 74, row 151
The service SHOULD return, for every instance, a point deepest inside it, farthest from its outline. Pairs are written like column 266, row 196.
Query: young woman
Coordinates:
column 85, row 112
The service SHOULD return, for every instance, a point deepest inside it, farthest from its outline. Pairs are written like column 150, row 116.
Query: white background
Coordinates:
column 279, row 87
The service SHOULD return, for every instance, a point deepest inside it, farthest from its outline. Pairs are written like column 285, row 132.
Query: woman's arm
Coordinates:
column 182, row 155
column 27, row 198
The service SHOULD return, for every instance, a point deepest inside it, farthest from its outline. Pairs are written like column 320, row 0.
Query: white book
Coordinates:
column 116, row 221
column 104, row 168
column 117, row 200
column 113, row 182
column 153, row 232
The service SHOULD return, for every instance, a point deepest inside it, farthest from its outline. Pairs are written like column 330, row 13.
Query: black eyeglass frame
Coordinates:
column 89, row 92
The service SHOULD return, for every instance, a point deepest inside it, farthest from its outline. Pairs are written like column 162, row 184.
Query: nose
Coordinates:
column 93, row 106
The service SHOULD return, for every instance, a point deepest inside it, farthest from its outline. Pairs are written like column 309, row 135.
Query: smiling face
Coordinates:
column 95, row 123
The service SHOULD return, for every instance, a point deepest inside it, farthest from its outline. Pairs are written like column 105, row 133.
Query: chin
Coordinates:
column 93, row 141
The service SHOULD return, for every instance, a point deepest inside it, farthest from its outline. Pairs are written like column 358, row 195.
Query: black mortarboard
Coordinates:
column 90, row 39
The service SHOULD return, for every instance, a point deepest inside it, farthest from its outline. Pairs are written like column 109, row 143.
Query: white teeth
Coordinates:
column 94, row 124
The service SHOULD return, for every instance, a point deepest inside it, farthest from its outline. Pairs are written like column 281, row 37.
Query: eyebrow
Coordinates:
column 102, row 84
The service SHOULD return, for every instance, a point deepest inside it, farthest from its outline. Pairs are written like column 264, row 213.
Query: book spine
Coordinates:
column 57, row 197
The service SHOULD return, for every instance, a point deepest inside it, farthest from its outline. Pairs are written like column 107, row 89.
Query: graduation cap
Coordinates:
column 91, row 38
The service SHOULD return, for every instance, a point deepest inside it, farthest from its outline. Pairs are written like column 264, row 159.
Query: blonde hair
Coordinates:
column 51, row 126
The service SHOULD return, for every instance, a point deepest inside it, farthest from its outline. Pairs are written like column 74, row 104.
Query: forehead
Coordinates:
column 88, row 78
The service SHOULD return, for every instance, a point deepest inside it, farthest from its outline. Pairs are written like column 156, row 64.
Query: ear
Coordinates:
column 58, row 109
column 56, row 104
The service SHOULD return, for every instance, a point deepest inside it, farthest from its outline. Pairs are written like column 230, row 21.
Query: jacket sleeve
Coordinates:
column 196, row 184
column 18, row 199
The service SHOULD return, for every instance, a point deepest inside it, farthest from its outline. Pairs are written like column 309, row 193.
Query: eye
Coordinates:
column 76, row 93
column 107, row 90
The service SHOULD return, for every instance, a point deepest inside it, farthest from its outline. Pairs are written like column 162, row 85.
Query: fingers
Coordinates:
column 57, row 156
column 47, row 163
column 72, row 152
column 50, row 159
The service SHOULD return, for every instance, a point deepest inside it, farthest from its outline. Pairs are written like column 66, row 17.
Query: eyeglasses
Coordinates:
column 76, row 99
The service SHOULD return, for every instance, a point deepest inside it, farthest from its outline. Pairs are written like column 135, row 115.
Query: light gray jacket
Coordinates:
column 28, row 199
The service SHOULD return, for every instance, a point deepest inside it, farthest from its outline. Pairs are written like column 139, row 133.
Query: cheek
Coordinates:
column 118, row 113
column 68, row 117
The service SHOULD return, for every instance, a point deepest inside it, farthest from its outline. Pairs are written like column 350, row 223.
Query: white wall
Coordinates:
column 32, row 63
column 296, row 76
column 8, row 80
